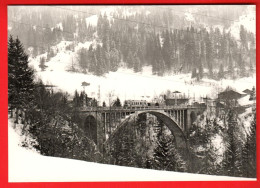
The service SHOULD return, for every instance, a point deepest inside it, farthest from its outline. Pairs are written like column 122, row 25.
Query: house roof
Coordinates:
column 85, row 84
column 229, row 94
column 247, row 91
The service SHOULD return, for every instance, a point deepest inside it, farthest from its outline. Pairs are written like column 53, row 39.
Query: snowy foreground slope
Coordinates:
column 29, row 166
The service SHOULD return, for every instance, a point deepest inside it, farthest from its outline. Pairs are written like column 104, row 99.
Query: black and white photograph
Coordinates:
column 131, row 92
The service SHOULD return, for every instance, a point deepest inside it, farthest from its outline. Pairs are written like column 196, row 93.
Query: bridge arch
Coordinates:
column 177, row 132
column 90, row 127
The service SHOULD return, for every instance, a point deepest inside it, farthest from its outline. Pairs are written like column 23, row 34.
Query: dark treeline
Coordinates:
column 169, row 50
column 81, row 99
column 162, row 39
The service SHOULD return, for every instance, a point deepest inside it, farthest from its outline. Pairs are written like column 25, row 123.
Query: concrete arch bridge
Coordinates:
column 102, row 122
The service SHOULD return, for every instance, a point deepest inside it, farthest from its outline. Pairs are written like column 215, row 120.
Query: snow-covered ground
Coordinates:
column 245, row 101
column 92, row 20
column 218, row 146
column 29, row 166
column 189, row 17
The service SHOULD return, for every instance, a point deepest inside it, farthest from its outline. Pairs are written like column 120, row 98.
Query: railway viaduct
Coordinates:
column 100, row 123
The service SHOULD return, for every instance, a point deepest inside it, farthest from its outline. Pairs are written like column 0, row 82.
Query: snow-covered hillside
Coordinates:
column 29, row 166
column 125, row 83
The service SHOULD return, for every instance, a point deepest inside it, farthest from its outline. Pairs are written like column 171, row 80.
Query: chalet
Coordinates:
column 230, row 98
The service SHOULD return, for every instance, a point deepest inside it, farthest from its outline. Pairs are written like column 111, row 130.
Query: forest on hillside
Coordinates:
column 134, row 37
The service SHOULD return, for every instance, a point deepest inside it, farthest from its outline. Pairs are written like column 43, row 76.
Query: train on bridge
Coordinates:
column 161, row 103
column 139, row 104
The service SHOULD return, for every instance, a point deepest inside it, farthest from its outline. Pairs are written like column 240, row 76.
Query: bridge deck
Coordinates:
column 132, row 109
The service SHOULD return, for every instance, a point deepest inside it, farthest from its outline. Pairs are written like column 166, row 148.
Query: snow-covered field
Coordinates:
column 29, row 166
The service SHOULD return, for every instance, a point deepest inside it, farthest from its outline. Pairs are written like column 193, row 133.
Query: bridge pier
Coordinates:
column 188, row 119
column 178, row 116
column 183, row 119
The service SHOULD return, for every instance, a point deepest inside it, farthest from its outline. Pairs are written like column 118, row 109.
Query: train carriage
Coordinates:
column 135, row 103
column 139, row 104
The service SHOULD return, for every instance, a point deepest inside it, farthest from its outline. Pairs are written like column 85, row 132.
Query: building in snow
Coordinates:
column 229, row 95
column 229, row 99
column 247, row 91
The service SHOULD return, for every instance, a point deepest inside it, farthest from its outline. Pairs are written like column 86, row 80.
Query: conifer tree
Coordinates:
column 166, row 49
column 230, row 65
column 50, row 54
column 209, row 163
column 200, row 68
column 209, row 53
column 221, row 72
column 223, row 46
column 194, row 73
column 42, row 64
column 137, row 64
column 243, row 37
column 83, row 59
column 117, row 103
column 166, row 156
column 82, row 98
column 20, row 76
column 249, row 152
column 76, row 99
column 241, row 64
column 232, row 157
column 252, row 94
